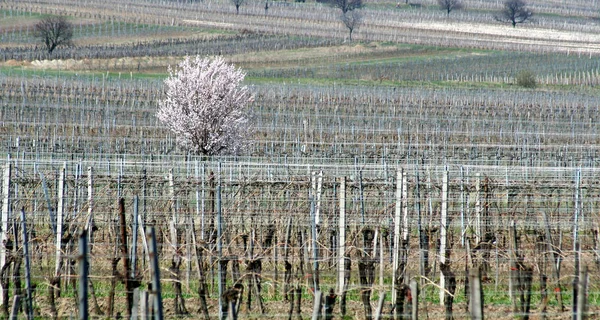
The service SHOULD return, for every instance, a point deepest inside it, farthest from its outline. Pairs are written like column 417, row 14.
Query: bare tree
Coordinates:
column 237, row 4
column 352, row 20
column 54, row 32
column 344, row 5
column 515, row 11
column 450, row 5
column 206, row 107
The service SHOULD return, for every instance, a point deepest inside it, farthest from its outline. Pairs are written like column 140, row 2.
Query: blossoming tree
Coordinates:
column 206, row 106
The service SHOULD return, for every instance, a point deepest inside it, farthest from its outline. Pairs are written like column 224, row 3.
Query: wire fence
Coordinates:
column 282, row 227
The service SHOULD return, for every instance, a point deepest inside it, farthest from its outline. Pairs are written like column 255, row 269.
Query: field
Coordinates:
column 407, row 156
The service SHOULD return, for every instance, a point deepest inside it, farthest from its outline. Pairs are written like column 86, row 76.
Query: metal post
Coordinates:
column 29, row 303
column 158, row 306
column 134, row 233
column 220, row 250
column 83, row 275
column 342, row 236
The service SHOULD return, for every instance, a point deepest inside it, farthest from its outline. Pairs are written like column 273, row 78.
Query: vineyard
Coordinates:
column 404, row 174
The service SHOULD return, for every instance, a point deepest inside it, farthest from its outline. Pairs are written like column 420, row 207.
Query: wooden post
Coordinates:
column 158, row 306
column 28, row 302
column 443, row 235
column 83, row 275
column 5, row 217
column 329, row 304
column 379, row 310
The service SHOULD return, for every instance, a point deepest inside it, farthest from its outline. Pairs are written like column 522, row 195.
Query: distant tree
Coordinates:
column 206, row 106
column 54, row 32
column 344, row 5
column 237, row 4
column 450, row 5
column 352, row 20
column 514, row 11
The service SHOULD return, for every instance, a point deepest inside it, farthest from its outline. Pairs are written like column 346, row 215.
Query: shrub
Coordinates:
column 527, row 79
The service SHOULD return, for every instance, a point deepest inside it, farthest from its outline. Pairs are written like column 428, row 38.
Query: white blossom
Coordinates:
column 206, row 106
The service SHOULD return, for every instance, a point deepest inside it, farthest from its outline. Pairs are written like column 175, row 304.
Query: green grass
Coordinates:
column 10, row 14
column 66, row 74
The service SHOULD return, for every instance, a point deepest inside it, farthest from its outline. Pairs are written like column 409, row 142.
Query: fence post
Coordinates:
column 83, row 275
column 48, row 203
column 158, row 306
column 317, row 305
column 5, row 216
column 380, row 306
column 136, row 304
column 414, row 292
column 443, row 235
column 577, row 207
column 220, row 250
column 478, row 218
column 144, row 305
column 395, row 258
column 134, row 234
column 554, row 259
column 90, row 219
column 315, row 248
column 29, row 302
column 14, row 311
column 581, row 312
column 317, row 198
column 125, row 256
column 59, row 218
column 405, row 222
column 173, row 199
column 342, row 246
column 462, row 206
column 476, row 299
